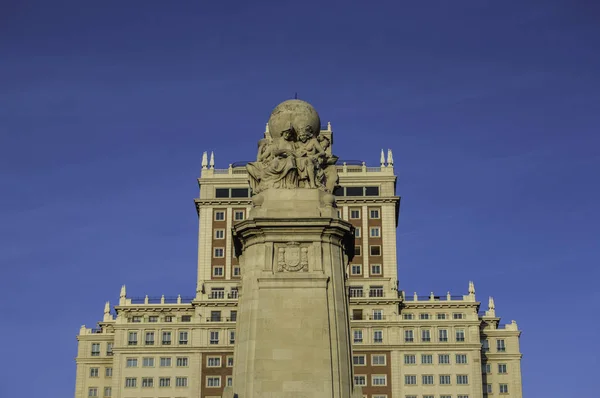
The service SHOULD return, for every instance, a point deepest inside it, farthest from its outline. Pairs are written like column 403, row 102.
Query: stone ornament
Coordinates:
column 292, row 258
column 294, row 153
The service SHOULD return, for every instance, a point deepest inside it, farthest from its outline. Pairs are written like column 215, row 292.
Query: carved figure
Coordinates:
column 309, row 157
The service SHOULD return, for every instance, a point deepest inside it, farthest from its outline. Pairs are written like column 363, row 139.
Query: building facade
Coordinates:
column 404, row 345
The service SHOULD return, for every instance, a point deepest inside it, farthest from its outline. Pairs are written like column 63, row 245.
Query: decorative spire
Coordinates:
column 471, row 288
column 123, row 292
column 448, row 296
column 204, row 161
column 415, row 297
column 382, row 159
column 179, row 299
column 491, row 304
column 267, row 128
column 212, row 160
column 390, row 158
column 146, row 299
column 162, row 299
column 107, row 308
column 328, row 126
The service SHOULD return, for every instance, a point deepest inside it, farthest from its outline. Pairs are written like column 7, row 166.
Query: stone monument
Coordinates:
column 293, row 335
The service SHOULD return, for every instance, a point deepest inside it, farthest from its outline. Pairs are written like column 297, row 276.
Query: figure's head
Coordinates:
column 288, row 134
column 306, row 133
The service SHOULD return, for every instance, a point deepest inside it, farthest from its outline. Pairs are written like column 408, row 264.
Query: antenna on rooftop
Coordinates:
column 296, row 95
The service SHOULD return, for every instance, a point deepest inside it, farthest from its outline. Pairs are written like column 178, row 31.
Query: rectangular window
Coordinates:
column 424, row 315
column 148, row 362
column 355, row 291
column 164, row 382
column 153, row 319
column 441, row 316
column 109, row 349
column 215, row 316
column 238, row 215
column 444, row 359
column 408, row 336
column 237, row 270
column 132, row 362
column 219, row 234
column 375, row 291
column 374, row 213
column 240, row 192
column 165, row 362
column 378, row 360
column 131, row 382
column 93, row 392
column 485, row 345
column 214, row 337
column 457, row 315
column 229, row 381
column 108, row 391
column 186, row 318
column 378, row 380
column 233, row 294
column 461, row 359
column 149, row 338
column 233, row 316
column 375, row 250
column 357, row 251
column 375, row 232
column 488, row 389
column 181, row 382
column 182, row 362
column 221, row 192
column 502, row 368
column 108, row 372
column 94, row 372
column 230, row 361
column 462, row 379
column 427, row 379
column 183, row 338
column 356, row 269
column 377, row 315
column 410, row 359
column 217, row 293
column 219, row 215
column 95, row 349
column 358, row 360
column 503, row 388
column 219, row 252
column 445, row 380
column 375, row 269
column 166, row 338
column 486, row 368
column 410, row 380
column 462, row 396
column 147, row 382
column 360, row 380
column 443, row 335
column 354, row 214
column 357, row 232
column 426, row 359
column 358, row 336
column 377, row 336
column 460, row 335
column 136, row 319
column 500, row 346
column 213, row 362
column 132, row 338
column 408, row 316
column 168, row 318
column 232, row 337
column 425, row 335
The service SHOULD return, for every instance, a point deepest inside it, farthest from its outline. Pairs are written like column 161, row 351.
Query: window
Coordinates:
column 233, row 316
column 219, row 215
column 237, row 270
column 109, row 349
column 148, row 362
column 424, row 315
column 375, row 232
column 219, row 234
column 445, row 396
column 441, row 316
column 358, row 360
column 153, row 319
column 460, row 335
column 355, row 291
column 503, row 388
column 488, row 389
column 93, row 392
column 95, row 349
column 462, row 379
column 183, row 338
column 147, row 382
column 108, row 391
column 375, row 269
column 357, row 232
column 233, row 294
column 457, row 315
column 360, row 380
column 232, row 337
column 108, row 372
column 428, row 396
column 485, row 345
column 214, row 337
column 374, row 213
column 166, row 338
column 408, row 316
column 131, row 382
column 410, row 380
column 375, row 291
column 425, row 335
column 186, row 318
column 486, row 368
column 426, row 359
column 182, row 362
column 132, row 362
column 378, row 360
column 377, row 336
column 443, row 335
column 230, row 361
column 377, row 315
column 217, row 293
column 444, row 359
column 461, row 359
column 462, row 396
column 410, row 359
column 149, row 338
column 215, row 316
column 132, row 338
column 136, row 319
column 168, row 318
column 357, row 250
column 500, row 346
column 356, row 269
column 240, row 192
column 213, row 362
column 164, row 382
column 427, row 379
column 445, row 380
column 354, row 213
column 408, row 336
column 502, row 368
column 229, row 381
column 219, row 252
column 378, row 380
column 181, row 382
column 358, row 336
column 375, row 250
column 238, row 215
column 165, row 362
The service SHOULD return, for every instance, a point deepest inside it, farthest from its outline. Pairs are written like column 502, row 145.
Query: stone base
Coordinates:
column 293, row 203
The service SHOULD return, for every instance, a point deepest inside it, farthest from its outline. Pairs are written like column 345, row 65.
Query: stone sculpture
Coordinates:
column 294, row 153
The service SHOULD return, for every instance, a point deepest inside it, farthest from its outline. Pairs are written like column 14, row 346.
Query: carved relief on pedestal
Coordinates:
column 292, row 257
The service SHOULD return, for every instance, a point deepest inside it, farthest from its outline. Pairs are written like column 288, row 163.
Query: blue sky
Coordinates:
column 491, row 109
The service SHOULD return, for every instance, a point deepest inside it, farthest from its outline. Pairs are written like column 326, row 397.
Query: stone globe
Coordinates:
column 295, row 113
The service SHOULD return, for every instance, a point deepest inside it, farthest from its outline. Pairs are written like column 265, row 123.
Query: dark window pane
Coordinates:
column 222, row 193
column 372, row 191
column 239, row 192
column 354, row 191
column 338, row 191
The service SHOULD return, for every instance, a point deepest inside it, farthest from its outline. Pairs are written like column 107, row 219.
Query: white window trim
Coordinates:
column 217, row 212
column 378, row 385
column 378, row 214
column 219, row 230
column 379, row 364
column 213, row 377
column 208, row 358
column 350, row 214
column 215, row 252
column 374, row 255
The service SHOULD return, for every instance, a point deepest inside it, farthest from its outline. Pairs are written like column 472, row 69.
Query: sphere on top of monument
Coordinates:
column 296, row 114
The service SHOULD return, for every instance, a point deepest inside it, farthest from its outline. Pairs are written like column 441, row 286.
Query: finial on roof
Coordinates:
column 448, row 296
column 179, row 299
column 107, row 316
column 431, row 296
column 107, row 307
column 471, row 288
column 212, row 160
column 204, row 161
column 146, row 299
column 123, row 292
column 491, row 304
column 328, row 126
column 382, row 159
column 390, row 158
column 415, row 297
column 162, row 299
